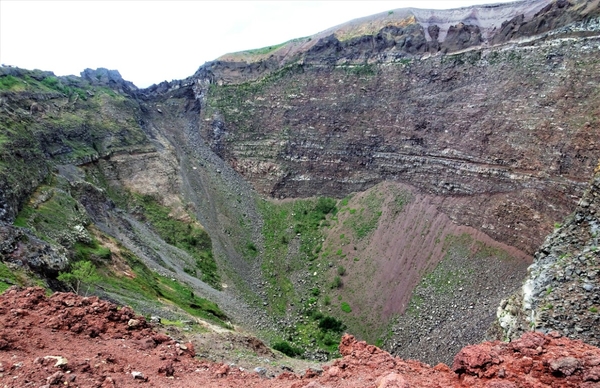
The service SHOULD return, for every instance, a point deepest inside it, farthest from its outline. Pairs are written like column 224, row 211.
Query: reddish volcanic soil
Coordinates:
column 69, row 341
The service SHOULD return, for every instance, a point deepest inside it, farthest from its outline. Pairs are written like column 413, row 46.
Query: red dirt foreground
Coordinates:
column 69, row 341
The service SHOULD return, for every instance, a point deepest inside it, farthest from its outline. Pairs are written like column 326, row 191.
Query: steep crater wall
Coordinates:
column 510, row 133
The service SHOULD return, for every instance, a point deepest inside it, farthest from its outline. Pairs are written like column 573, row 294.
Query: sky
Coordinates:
column 152, row 41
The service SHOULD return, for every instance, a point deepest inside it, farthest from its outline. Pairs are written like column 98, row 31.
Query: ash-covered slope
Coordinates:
column 562, row 290
column 406, row 33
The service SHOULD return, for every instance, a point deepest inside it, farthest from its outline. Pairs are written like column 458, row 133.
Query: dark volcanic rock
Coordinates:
column 24, row 250
column 110, row 78
column 462, row 36
column 562, row 291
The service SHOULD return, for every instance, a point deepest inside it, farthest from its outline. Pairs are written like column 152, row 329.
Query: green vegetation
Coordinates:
column 548, row 306
column 287, row 349
column 283, row 222
column 593, row 309
column 56, row 216
column 269, row 49
column 293, row 236
column 188, row 236
column 82, row 273
column 235, row 102
column 92, row 251
column 336, row 283
column 319, row 331
column 360, row 70
column 19, row 277
column 364, row 220
column 331, row 324
column 262, row 50
column 145, row 287
column 346, row 307
column 11, row 83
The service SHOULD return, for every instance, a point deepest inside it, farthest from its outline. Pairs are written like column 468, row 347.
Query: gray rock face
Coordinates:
column 562, row 290
column 110, row 78
column 22, row 249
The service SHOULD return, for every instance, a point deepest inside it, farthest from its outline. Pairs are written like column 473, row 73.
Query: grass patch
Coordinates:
column 55, row 216
column 10, row 83
column 7, row 278
column 360, row 70
column 188, row 236
column 364, row 221
column 287, row 349
column 301, row 219
column 147, row 286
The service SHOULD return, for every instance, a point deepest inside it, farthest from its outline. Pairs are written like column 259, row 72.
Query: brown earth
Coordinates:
column 71, row 341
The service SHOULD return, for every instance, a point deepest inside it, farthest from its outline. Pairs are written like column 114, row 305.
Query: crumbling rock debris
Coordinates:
column 113, row 356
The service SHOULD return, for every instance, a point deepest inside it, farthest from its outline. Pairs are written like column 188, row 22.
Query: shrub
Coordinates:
column 82, row 272
column 337, row 282
column 331, row 324
column 287, row 349
column 346, row 307
column 325, row 205
column 341, row 270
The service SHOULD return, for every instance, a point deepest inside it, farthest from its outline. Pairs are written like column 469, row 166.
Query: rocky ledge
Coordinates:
column 70, row 341
column 561, row 292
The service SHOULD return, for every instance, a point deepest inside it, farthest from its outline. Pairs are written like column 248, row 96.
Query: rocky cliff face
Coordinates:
column 503, row 127
column 561, row 292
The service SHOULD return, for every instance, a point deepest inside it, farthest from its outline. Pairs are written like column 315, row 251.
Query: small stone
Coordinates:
column 60, row 361
column 224, row 370
column 167, row 369
column 138, row 376
column 133, row 323
column 55, row 378
column 566, row 365
column 392, row 380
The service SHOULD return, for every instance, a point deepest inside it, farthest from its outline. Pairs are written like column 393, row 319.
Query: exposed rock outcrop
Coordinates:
column 408, row 33
column 21, row 248
column 562, row 291
column 498, row 132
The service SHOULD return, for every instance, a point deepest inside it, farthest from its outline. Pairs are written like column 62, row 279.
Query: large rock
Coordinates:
column 21, row 248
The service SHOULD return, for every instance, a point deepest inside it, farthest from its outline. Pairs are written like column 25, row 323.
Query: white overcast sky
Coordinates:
column 152, row 41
